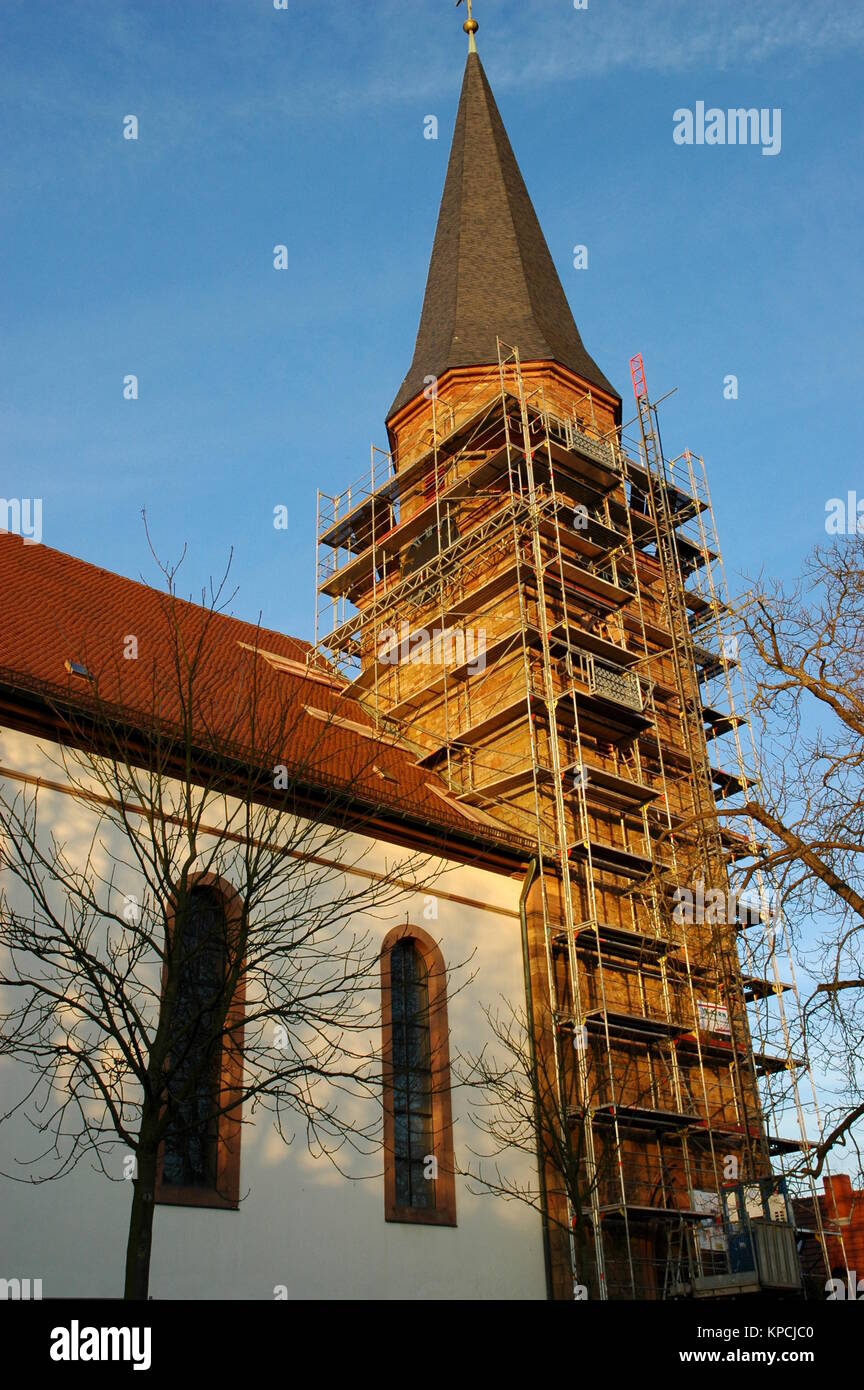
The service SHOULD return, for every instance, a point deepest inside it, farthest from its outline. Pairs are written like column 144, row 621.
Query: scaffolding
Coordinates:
column 768, row 972
column 537, row 601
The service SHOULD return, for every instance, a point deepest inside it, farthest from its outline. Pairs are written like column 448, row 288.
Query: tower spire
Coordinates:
column 491, row 275
column 470, row 26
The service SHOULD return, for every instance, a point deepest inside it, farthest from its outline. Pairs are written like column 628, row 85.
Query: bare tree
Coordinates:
column 804, row 644
column 530, row 1097
column 147, row 1011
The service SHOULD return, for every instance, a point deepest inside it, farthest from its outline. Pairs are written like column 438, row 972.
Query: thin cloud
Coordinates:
column 234, row 72
column 665, row 36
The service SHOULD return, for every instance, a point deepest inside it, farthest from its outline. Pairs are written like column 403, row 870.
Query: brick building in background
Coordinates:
column 841, row 1208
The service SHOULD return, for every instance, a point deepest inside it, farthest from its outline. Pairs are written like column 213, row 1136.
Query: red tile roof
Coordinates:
column 56, row 609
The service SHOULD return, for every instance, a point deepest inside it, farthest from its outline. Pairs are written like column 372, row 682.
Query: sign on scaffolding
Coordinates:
column 710, row 1235
column 713, row 1018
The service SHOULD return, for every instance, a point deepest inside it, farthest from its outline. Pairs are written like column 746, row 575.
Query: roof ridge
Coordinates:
column 142, row 586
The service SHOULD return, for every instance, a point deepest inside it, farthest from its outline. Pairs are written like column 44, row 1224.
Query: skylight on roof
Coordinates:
column 77, row 668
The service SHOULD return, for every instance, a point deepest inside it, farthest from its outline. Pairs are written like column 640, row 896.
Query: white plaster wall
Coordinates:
column 301, row 1224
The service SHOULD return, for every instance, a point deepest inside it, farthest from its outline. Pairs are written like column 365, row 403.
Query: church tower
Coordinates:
column 527, row 596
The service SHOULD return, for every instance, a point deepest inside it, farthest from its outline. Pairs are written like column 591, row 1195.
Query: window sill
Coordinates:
column 193, row 1197
column 420, row 1216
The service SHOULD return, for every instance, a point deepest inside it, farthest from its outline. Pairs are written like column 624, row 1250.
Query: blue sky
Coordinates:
column 305, row 127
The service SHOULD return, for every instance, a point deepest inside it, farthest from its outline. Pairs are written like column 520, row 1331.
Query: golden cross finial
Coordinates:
column 470, row 26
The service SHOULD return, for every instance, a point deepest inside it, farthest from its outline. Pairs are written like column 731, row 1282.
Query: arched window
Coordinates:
column 199, row 1161
column 418, row 1130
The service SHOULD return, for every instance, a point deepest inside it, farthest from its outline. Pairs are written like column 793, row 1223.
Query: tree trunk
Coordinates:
column 140, row 1240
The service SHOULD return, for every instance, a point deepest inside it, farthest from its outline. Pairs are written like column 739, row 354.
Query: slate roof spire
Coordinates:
column 491, row 273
